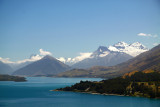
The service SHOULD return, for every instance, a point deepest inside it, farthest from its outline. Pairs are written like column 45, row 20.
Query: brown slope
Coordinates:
column 96, row 71
column 146, row 60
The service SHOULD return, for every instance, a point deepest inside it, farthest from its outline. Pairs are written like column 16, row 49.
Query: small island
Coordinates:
column 142, row 84
column 12, row 78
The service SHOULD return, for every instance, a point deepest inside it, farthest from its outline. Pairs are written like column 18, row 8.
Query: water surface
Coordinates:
column 36, row 93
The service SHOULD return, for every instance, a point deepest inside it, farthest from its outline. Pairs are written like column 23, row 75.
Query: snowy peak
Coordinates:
column 123, row 45
column 112, row 48
column 138, row 45
column 102, row 49
column 133, row 49
column 120, row 44
column 100, row 52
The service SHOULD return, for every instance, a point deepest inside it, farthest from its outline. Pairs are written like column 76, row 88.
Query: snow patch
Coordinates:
column 112, row 48
column 104, row 54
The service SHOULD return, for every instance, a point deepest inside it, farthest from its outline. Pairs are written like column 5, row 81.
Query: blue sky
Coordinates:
column 68, row 27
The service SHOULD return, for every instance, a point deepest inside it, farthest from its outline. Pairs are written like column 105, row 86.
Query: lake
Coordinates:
column 36, row 93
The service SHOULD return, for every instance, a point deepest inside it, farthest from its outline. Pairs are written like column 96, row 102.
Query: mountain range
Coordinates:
column 112, row 55
column 103, row 56
column 149, row 60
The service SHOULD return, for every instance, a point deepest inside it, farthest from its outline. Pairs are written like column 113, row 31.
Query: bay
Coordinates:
column 36, row 93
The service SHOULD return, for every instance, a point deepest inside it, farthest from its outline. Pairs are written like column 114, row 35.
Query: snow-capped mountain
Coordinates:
column 112, row 55
column 133, row 49
column 103, row 53
column 100, row 52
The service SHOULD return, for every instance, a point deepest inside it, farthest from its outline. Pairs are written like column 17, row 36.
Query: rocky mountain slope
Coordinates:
column 43, row 67
column 112, row 55
column 103, row 55
column 149, row 60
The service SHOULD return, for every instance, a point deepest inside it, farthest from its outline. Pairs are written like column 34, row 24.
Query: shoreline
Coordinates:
column 94, row 93
column 103, row 94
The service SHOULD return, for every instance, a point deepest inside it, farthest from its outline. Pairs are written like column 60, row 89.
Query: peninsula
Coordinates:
column 144, row 84
column 12, row 78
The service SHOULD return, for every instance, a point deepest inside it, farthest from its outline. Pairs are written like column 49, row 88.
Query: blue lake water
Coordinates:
column 36, row 93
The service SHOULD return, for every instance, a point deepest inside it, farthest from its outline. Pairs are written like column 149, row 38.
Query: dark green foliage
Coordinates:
column 144, row 90
column 117, row 85
column 144, row 77
column 120, row 85
column 11, row 78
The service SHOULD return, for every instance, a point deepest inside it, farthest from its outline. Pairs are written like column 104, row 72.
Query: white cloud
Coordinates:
column 147, row 35
column 155, row 44
column 5, row 60
column 62, row 59
column 36, row 57
column 69, row 59
column 33, row 58
column 76, row 59
column 82, row 56
column 42, row 52
column 144, row 34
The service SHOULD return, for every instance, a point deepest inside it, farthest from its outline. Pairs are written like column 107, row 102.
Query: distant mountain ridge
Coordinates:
column 43, row 67
column 5, row 68
column 16, row 66
column 103, row 56
column 111, row 59
column 133, row 50
column 112, row 55
column 149, row 60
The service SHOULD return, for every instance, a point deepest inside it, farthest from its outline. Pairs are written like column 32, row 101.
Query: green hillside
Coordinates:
column 138, row 84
